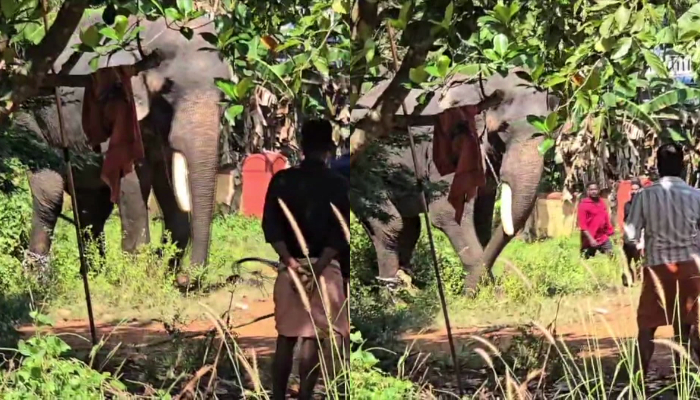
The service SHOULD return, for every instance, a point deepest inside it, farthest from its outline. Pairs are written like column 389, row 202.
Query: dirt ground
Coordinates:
column 601, row 334
column 259, row 336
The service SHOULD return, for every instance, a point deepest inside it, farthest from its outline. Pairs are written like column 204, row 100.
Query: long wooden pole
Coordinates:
column 74, row 199
column 428, row 227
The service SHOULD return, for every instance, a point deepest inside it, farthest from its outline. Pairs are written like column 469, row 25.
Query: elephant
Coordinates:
column 512, row 161
column 178, row 108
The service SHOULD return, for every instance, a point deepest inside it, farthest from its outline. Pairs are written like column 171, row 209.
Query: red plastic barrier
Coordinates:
column 257, row 171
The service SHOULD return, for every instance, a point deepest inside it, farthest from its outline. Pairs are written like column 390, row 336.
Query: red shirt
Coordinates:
column 593, row 217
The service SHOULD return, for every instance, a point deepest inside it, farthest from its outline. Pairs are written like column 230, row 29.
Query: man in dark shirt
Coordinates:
column 308, row 190
column 632, row 251
column 342, row 165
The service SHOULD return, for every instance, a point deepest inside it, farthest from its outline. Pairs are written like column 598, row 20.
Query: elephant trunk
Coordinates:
column 520, row 177
column 195, row 140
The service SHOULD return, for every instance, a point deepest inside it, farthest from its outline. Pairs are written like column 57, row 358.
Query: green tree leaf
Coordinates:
column 500, row 44
column 639, row 22
column 677, row 136
column 109, row 32
column 321, row 65
column 234, row 111
column 546, row 145
column 121, row 24
column 655, row 63
column 622, row 48
column 606, row 26
column 552, row 122
column 669, row 99
column 609, row 99
column 443, row 65
column 555, row 80
column 449, row 13
column 538, row 122
column 185, row 6
column 689, row 22
column 243, row 87
column 433, row 70
column 173, row 14
column 339, row 7
column 90, row 37
column 418, row 75
column 667, row 35
column 228, row 87
column 604, row 45
column 94, row 63
column 9, row 7
column 405, row 14
column 468, row 69
column 622, row 17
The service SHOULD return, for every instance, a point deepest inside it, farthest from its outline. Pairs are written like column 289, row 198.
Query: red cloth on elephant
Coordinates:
column 456, row 149
column 109, row 113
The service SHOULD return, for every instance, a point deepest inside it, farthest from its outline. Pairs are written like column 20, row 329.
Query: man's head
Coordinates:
column 636, row 185
column 593, row 191
column 669, row 160
column 317, row 139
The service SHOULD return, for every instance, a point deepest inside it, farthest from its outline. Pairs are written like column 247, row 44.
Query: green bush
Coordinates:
column 551, row 268
column 370, row 382
column 42, row 373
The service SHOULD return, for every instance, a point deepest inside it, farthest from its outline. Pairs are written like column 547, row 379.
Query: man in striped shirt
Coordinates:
column 669, row 213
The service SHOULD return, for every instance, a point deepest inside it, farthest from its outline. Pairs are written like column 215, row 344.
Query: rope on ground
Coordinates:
column 194, row 335
column 273, row 264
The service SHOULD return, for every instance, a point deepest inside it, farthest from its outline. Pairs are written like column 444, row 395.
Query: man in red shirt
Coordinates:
column 594, row 222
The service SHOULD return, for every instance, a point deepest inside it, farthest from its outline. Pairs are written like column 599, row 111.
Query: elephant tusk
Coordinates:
column 507, row 210
column 181, row 182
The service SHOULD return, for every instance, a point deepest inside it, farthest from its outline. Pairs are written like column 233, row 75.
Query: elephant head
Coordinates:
column 178, row 106
column 514, row 161
column 185, row 109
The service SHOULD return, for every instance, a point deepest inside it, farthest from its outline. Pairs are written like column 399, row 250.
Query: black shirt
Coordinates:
column 628, row 206
column 308, row 191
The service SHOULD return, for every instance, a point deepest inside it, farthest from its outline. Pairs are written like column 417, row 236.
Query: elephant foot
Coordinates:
column 183, row 282
column 472, row 283
column 402, row 280
column 393, row 284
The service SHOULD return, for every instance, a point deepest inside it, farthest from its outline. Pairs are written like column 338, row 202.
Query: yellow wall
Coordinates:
column 553, row 217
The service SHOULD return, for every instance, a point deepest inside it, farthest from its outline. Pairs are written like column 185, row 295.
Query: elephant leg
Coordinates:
column 133, row 209
column 384, row 237
column 484, row 206
column 95, row 208
column 462, row 236
column 47, row 203
column 176, row 221
column 407, row 240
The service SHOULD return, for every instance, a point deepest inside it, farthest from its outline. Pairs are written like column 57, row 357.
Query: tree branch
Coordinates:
column 151, row 61
column 364, row 24
column 379, row 121
column 43, row 56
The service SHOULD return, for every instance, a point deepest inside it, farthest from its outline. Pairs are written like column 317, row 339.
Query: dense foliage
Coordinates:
column 606, row 60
